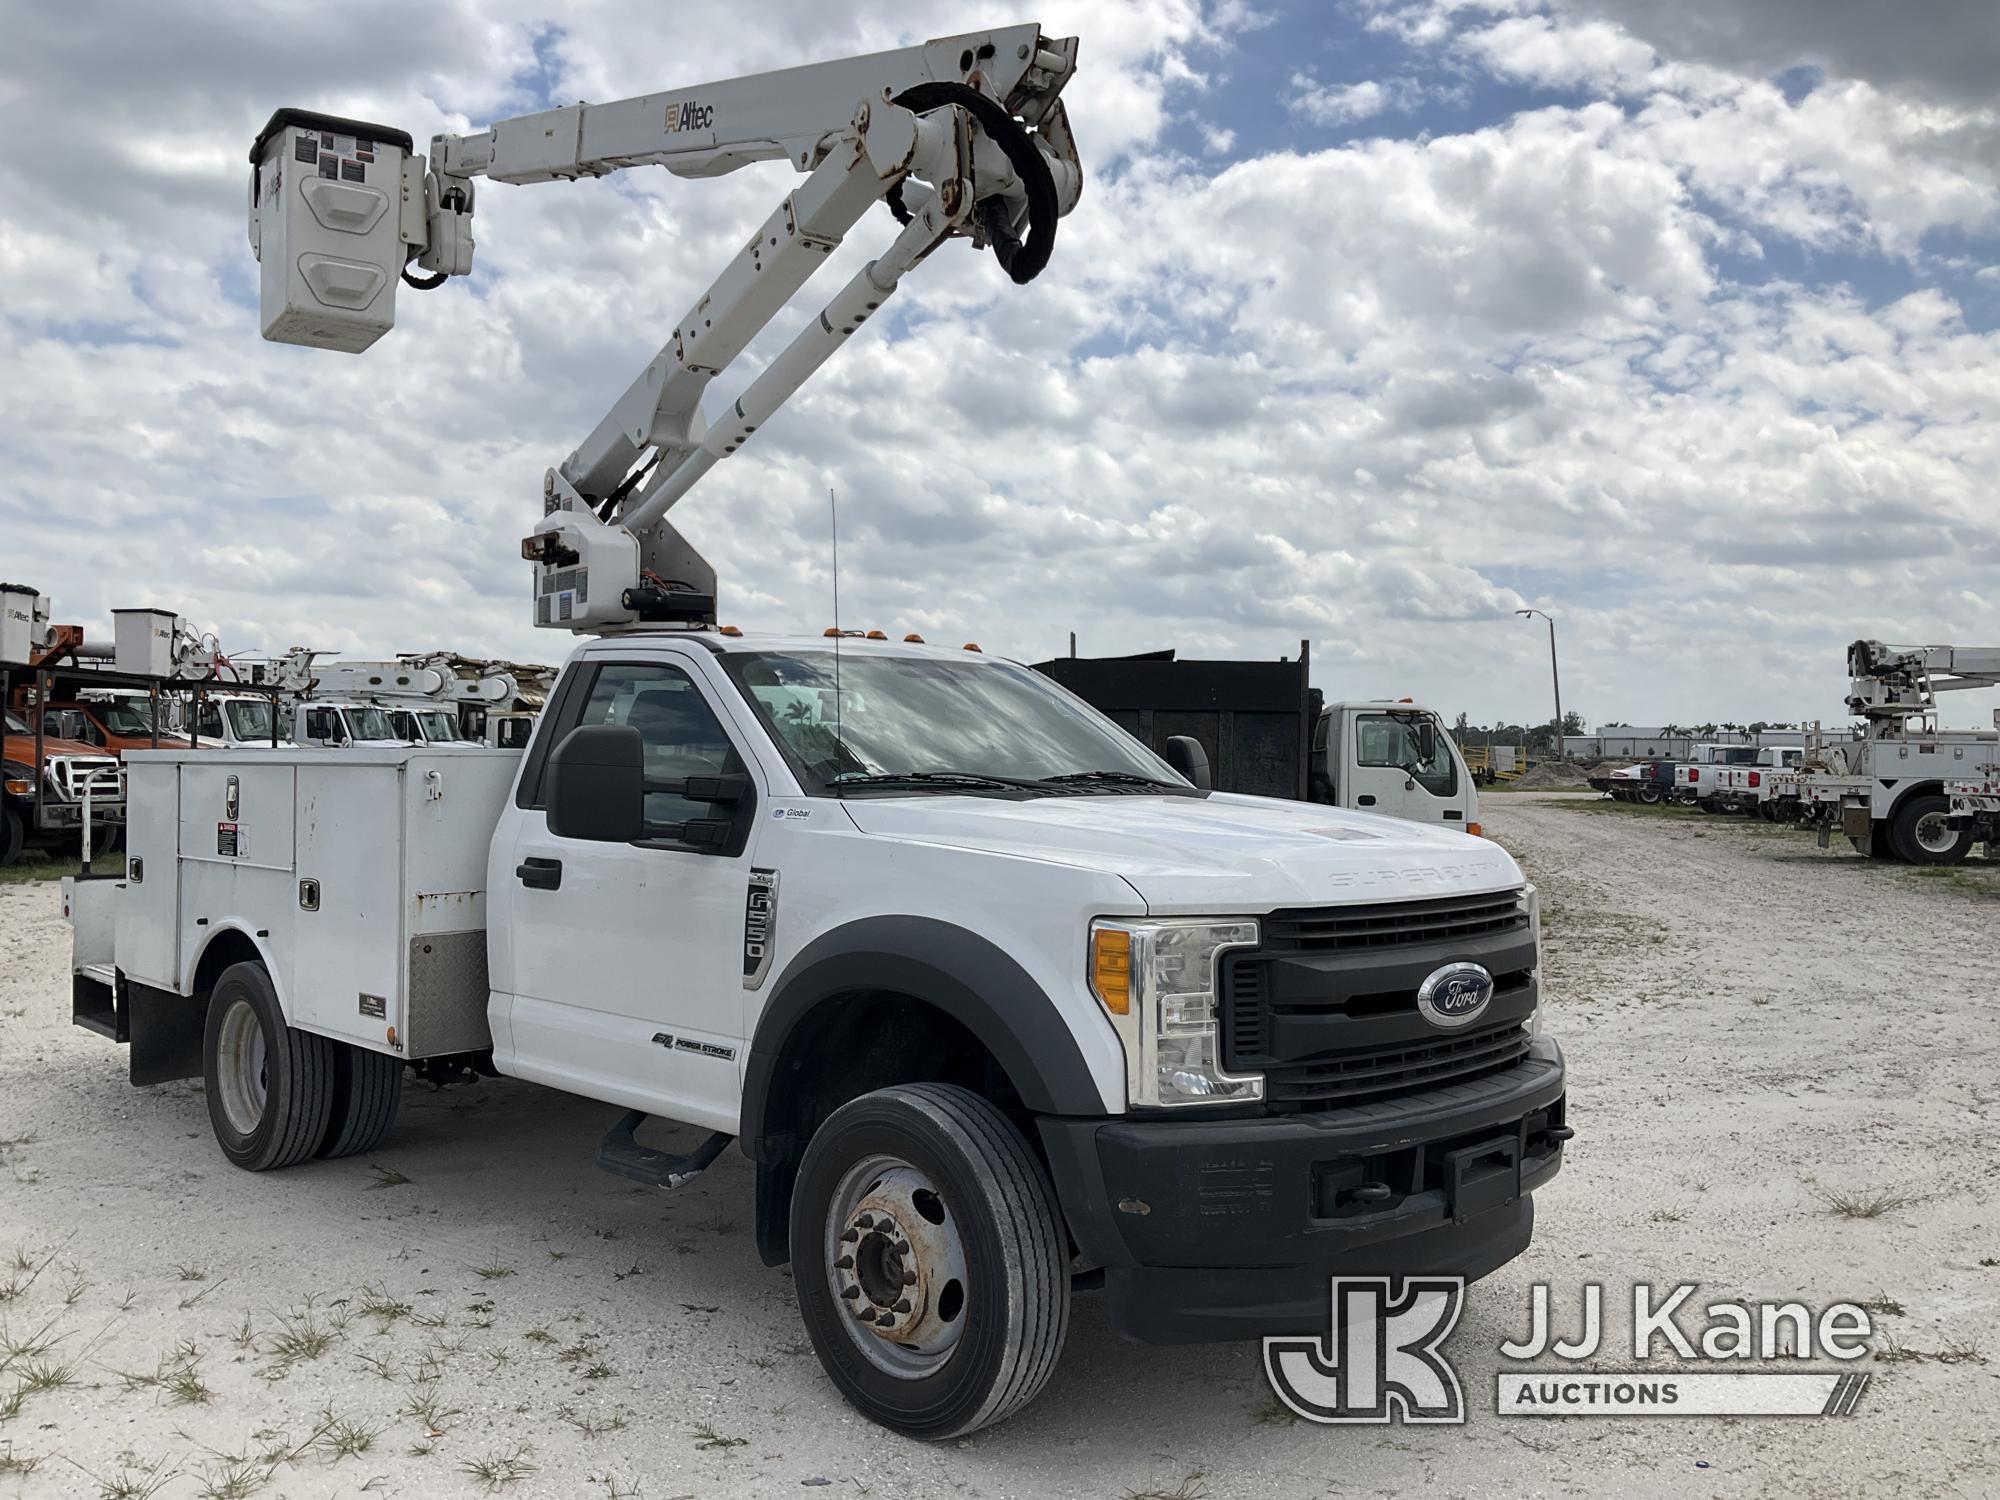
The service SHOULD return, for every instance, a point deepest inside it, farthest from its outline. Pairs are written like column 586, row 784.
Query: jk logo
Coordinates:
column 1379, row 1360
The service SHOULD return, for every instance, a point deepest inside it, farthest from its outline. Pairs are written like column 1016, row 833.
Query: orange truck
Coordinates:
column 70, row 775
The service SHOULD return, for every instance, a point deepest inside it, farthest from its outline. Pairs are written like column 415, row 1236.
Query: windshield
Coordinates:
column 124, row 717
column 249, row 721
column 440, row 728
column 897, row 715
column 368, row 724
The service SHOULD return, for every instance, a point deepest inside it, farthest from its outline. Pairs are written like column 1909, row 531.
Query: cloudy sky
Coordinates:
column 1379, row 320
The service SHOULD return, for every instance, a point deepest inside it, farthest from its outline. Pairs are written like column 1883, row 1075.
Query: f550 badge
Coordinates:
column 760, row 926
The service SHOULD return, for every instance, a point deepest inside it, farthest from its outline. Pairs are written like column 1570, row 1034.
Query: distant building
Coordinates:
column 1631, row 742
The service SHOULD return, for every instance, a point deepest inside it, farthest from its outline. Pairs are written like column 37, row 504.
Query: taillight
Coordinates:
column 1756, row 778
column 1693, row 774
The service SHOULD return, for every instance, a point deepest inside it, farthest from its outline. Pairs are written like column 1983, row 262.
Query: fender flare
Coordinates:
column 242, row 928
column 961, row 973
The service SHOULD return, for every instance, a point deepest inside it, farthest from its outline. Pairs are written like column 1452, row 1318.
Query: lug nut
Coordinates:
column 903, row 1306
column 845, row 1263
column 850, row 1235
column 866, row 1221
column 909, row 1278
column 850, row 1292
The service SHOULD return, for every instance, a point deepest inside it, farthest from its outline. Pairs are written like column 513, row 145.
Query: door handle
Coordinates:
column 541, row 874
column 1366, row 799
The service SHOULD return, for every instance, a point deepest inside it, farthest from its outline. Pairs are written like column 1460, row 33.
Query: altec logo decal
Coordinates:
column 688, row 115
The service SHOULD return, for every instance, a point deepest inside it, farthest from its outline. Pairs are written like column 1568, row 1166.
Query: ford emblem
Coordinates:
column 1456, row 995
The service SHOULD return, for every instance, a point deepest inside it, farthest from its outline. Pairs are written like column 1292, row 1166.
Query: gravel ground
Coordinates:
column 1755, row 1028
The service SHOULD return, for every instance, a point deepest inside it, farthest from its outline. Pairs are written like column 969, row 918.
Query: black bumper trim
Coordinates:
column 1178, row 1305
column 1229, row 1225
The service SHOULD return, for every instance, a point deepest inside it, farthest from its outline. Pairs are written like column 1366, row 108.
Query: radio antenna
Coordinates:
column 833, row 519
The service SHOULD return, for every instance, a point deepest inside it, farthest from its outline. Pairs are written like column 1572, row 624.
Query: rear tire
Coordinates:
column 13, row 836
column 269, row 1085
column 1920, row 835
column 922, row 1206
column 1649, row 796
column 367, row 1089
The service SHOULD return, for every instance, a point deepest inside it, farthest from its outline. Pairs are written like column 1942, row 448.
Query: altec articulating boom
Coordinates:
column 1000, row 1004
column 964, row 136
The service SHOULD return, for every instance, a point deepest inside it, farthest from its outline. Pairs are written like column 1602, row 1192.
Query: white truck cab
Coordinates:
column 344, row 725
column 996, row 1000
column 243, row 721
column 1394, row 758
column 425, row 725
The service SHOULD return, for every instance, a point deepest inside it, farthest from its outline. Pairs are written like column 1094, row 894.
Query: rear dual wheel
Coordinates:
column 278, row 1095
column 1920, row 831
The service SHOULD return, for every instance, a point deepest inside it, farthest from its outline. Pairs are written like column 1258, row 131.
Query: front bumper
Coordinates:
column 1220, row 1230
column 61, row 816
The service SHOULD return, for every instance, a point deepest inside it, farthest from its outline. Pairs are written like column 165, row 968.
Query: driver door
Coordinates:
column 1390, row 774
column 627, row 959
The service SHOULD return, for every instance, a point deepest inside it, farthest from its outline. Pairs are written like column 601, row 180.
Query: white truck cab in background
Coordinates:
column 1394, row 758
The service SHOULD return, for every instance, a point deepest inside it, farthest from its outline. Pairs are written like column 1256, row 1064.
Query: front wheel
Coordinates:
column 930, row 1260
column 13, row 836
column 270, row 1086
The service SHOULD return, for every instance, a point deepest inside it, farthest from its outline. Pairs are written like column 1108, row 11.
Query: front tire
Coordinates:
column 269, row 1085
column 930, row 1260
column 1921, row 835
column 13, row 836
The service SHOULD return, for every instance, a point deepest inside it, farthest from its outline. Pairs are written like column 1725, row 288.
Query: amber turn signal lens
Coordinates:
column 1111, row 969
column 1475, row 830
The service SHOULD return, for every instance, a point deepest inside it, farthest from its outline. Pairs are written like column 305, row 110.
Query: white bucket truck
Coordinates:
column 998, row 1003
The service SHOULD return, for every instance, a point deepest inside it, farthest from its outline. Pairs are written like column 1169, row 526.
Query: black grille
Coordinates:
column 1347, row 1078
column 1326, row 1007
column 1393, row 925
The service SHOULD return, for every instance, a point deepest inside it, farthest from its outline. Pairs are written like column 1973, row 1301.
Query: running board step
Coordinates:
column 621, row 1153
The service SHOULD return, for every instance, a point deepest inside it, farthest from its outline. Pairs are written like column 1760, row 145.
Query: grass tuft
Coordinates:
column 500, row 1469
column 1862, row 1204
column 706, row 1436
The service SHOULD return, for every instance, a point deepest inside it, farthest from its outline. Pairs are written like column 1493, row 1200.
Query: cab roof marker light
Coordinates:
column 973, row 646
column 913, row 639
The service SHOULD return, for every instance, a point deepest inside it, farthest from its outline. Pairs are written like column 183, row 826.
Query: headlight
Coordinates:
column 1159, row 982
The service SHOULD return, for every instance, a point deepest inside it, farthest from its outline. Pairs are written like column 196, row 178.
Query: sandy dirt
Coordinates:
column 1755, row 1029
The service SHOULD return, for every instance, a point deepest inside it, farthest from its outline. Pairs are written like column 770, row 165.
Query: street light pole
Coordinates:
column 1555, row 676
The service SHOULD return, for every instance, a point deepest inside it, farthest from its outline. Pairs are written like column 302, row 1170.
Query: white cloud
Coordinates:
column 1379, row 394
column 1345, row 103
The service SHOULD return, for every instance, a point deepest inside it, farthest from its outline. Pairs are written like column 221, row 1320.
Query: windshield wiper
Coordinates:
column 1113, row 778
column 945, row 781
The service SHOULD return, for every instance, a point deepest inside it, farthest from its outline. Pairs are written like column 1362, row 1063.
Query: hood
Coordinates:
column 1222, row 853
column 21, row 747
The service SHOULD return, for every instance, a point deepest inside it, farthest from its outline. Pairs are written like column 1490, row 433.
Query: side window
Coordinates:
column 209, row 723
column 681, row 733
column 1391, row 740
column 321, row 724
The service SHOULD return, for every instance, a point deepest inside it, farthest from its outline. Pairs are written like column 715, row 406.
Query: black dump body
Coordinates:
column 1254, row 718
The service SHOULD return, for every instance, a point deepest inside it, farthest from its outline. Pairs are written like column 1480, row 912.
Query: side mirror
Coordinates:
column 1185, row 755
column 597, row 785
column 1427, row 741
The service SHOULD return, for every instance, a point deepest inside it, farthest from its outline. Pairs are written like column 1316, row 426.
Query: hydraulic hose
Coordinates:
column 1021, row 258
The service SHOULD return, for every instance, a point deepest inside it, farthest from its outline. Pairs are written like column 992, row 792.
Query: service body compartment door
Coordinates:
column 451, row 800
column 348, row 950
column 149, row 915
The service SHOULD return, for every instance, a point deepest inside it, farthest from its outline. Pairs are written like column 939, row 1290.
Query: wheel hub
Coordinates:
column 897, row 1264
column 1935, row 834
